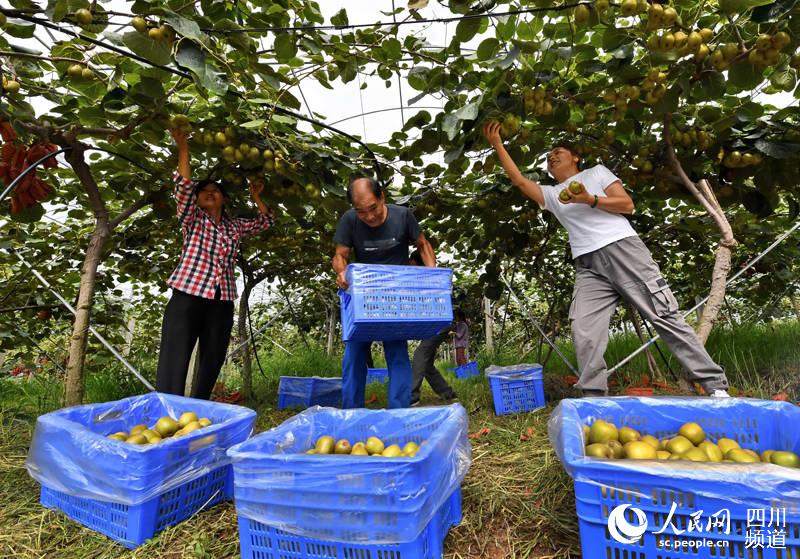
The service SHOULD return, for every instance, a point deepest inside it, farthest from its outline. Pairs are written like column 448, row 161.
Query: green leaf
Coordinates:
column 507, row 29
column 150, row 89
column 392, row 48
column 258, row 123
column 709, row 114
column 24, row 4
column 340, row 18
column 418, row 77
column 749, row 112
column 488, row 48
column 453, row 154
column 508, row 60
column 450, row 125
column 285, row 47
column 467, row 29
column 614, row 38
column 623, row 52
column 19, row 31
column 56, row 9
column 418, row 120
column 783, row 79
column 529, row 30
column 190, row 56
column 669, row 102
column 156, row 52
column 745, row 75
column 350, row 70
column 187, row 28
column 469, row 111
column 739, row 6
column 711, row 87
column 778, row 150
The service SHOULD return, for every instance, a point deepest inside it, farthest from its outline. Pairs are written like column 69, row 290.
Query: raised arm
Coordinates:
column 184, row 186
column 266, row 217
column 182, row 142
column 529, row 188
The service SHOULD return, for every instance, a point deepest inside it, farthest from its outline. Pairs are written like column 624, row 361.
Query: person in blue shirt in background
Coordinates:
column 378, row 233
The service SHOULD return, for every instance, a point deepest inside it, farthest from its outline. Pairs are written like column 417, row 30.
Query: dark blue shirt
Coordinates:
column 386, row 244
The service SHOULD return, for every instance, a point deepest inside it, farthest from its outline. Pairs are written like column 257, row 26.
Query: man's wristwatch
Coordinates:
column 596, row 200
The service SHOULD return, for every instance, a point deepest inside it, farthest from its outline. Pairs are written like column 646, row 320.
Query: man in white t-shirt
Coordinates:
column 611, row 263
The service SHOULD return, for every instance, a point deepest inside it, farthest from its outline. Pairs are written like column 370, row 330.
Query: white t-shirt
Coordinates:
column 589, row 228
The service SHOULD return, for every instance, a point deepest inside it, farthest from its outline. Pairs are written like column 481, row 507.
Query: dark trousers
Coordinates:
column 187, row 319
column 422, row 368
column 461, row 356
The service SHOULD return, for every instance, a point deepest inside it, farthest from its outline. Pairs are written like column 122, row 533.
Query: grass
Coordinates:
column 518, row 501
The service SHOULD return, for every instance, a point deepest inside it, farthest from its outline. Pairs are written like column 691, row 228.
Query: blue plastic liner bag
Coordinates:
column 352, row 499
column 395, row 302
column 683, row 509
column 70, row 453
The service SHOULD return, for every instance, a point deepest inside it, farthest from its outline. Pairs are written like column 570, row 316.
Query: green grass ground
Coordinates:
column 518, row 502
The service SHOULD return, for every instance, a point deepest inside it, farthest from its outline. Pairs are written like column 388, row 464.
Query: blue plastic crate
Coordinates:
column 127, row 491
column 377, row 375
column 652, row 487
column 395, row 302
column 132, row 525
column 516, row 390
column 304, row 392
column 259, row 541
column 466, row 371
column 353, row 499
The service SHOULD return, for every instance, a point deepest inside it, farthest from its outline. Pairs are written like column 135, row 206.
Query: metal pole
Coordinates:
column 539, row 328
column 97, row 334
column 279, row 345
column 730, row 281
column 267, row 325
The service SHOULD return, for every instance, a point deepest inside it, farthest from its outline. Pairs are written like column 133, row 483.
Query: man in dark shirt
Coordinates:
column 379, row 233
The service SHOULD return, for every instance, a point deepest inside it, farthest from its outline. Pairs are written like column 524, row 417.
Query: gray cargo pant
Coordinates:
column 422, row 367
column 625, row 269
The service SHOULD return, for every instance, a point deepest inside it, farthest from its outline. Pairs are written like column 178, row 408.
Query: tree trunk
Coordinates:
column 716, row 297
column 191, row 374
column 80, row 327
column 795, row 304
column 244, row 338
column 104, row 225
column 331, row 330
column 130, row 330
column 722, row 265
column 488, row 315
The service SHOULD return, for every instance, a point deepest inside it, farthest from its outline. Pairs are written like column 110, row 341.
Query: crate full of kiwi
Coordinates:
column 360, row 481
column 654, row 476
column 130, row 468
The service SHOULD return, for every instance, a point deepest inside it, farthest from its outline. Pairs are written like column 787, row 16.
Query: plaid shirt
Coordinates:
column 209, row 249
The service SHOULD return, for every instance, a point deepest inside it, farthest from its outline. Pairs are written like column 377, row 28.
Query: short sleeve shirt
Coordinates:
column 589, row 228
column 386, row 244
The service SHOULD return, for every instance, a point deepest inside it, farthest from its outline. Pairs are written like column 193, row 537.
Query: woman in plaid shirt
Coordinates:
column 204, row 284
